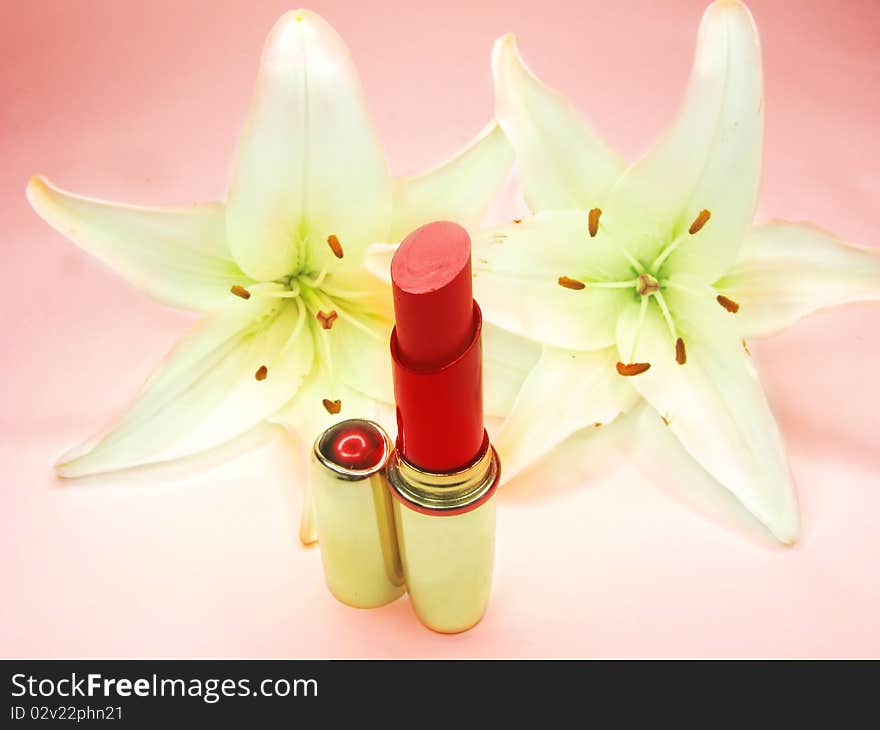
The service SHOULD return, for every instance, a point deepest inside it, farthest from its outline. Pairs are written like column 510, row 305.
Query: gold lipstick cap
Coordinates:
column 355, row 516
column 446, row 535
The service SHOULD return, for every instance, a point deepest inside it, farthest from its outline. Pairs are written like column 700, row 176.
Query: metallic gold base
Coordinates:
column 359, row 545
column 445, row 525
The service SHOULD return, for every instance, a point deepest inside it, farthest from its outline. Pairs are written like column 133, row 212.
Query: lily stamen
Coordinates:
column 680, row 352
column 569, row 283
column 613, row 284
column 595, row 214
column 332, row 406
column 335, row 246
column 632, row 368
column 291, row 293
column 593, row 221
column 699, row 221
column 351, row 319
column 730, row 305
column 633, row 261
column 240, row 291
column 643, row 310
column 294, row 333
column 313, row 303
column 667, row 315
column 261, row 373
column 317, row 281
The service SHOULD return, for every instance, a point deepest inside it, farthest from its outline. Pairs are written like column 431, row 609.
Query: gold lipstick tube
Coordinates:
column 446, row 535
column 354, row 513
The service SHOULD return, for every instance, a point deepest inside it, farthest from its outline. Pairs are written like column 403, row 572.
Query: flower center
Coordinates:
column 648, row 285
column 315, row 295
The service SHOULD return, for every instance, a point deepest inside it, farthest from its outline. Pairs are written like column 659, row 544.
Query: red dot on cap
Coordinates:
column 356, row 445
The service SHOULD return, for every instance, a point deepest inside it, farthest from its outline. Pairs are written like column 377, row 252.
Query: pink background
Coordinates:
column 143, row 102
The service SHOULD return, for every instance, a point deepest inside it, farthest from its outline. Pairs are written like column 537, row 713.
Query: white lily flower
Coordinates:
column 643, row 283
column 296, row 330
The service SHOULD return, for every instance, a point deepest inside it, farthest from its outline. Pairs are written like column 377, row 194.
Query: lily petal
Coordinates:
column 537, row 252
column 565, row 164
column 309, row 165
column 206, row 392
column 507, row 361
column 359, row 352
column 360, row 289
column 565, row 392
column 785, row 271
column 714, row 403
column 377, row 260
column 708, row 160
column 459, row 190
column 176, row 255
column 650, row 446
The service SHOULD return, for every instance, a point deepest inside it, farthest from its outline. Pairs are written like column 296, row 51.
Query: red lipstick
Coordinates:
column 435, row 350
column 444, row 471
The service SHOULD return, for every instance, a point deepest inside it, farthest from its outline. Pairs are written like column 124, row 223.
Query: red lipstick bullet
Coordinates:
column 444, row 471
column 435, row 348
